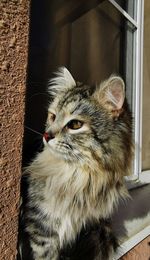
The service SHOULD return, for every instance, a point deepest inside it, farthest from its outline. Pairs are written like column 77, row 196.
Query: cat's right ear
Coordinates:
column 111, row 94
column 62, row 82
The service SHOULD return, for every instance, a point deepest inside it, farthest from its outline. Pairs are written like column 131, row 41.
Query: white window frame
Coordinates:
column 138, row 178
column 137, row 79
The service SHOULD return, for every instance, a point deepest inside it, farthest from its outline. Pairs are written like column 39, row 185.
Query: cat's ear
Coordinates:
column 61, row 82
column 111, row 93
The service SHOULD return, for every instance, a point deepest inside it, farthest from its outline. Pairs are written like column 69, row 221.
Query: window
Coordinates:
column 93, row 38
column 133, row 12
column 113, row 31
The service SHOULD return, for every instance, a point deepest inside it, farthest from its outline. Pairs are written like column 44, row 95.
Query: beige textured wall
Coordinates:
column 146, row 93
column 14, row 39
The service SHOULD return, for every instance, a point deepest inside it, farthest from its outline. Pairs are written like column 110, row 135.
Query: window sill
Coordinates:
column 131, row 222
column 132, row 242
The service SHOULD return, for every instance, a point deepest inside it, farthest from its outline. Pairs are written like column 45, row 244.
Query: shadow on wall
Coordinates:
column 41, row 47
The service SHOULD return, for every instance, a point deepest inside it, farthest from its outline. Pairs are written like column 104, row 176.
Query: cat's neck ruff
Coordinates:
column 72, row 178
column 49, row 164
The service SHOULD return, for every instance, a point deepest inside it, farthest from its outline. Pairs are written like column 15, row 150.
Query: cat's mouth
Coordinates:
column 56, row 146
column 63, row 151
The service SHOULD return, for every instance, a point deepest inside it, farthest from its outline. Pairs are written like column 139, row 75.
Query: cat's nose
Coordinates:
column 48, row 136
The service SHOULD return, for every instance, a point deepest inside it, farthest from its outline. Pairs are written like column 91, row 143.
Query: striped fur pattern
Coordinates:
column 78, row 177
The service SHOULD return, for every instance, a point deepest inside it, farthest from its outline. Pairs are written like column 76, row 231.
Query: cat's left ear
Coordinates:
column 111, row 93
column 63, row 81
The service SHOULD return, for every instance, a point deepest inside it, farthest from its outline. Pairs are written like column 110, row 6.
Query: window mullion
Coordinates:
column 124, row 13
column 138, row 86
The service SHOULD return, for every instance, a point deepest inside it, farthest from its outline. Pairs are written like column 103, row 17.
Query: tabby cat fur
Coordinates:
column 76, row 181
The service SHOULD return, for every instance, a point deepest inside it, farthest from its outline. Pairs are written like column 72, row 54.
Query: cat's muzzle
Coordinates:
column 48, row 136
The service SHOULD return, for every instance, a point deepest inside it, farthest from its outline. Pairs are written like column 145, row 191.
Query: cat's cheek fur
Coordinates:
column 52, row 143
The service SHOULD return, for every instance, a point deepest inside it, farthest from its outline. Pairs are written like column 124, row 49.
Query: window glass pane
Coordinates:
column 102, row 43
column 96, row 50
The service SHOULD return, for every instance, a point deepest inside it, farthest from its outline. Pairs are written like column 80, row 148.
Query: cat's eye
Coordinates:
column 51, row 117
column 75, row 124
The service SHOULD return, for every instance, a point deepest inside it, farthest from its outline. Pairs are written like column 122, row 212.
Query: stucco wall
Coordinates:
column 14, row 35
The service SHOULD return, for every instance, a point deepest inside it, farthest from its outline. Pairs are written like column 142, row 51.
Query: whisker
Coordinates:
column 78, row 157
column 37, row 94
column 65, row 145
column 70, row 149
column 33, row 130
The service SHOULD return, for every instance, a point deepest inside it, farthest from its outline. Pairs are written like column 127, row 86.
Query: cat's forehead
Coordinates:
column 67, row 104
column 71, row 100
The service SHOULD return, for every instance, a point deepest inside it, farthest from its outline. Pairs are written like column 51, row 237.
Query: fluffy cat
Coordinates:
column 77, row 180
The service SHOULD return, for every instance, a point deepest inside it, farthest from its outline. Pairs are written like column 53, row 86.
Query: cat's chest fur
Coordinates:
column 65, row 195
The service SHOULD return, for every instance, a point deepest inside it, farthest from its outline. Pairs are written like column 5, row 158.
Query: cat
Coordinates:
column 77, row 180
